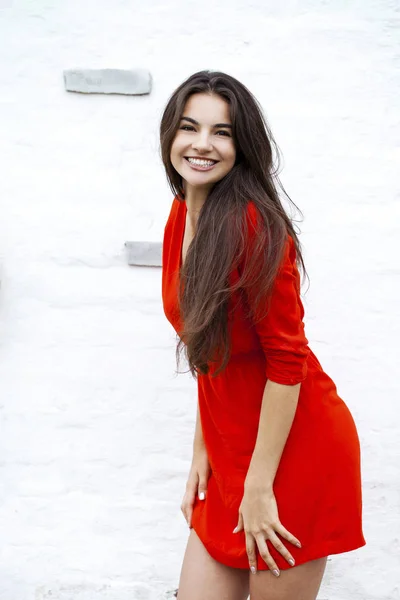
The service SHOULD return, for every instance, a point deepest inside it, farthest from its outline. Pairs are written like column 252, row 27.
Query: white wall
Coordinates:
column 95, row 429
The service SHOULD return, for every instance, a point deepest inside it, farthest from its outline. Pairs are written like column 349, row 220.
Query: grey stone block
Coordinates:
column 108, row 81
column 144, row 254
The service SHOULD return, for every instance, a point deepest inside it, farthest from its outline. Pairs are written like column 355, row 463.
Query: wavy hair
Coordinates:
column 220, row 238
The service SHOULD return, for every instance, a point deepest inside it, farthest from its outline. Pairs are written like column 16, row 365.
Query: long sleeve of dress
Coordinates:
column 281, row 331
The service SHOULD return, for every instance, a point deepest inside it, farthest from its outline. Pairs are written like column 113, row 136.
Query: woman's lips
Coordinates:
column 198, row 167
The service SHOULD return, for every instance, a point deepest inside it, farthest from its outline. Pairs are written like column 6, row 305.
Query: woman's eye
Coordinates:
column 187, row 128
column 224, row 133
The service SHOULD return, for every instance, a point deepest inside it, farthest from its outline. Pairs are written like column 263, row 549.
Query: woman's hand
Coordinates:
column 258, row 516
column 196, row 483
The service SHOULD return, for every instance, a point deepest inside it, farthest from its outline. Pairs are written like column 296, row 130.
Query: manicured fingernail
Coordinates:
column 235, row 530
column 202, row 495
column 291, row 562
column 253, row 570
column 298, row 544
column 276, row 572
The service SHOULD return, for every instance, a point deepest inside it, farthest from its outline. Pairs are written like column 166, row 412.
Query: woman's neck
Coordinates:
column 194, row 199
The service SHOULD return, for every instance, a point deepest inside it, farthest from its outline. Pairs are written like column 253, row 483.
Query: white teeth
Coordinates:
column 201, row 162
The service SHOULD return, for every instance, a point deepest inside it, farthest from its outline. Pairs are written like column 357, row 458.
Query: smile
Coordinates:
column 201, row 164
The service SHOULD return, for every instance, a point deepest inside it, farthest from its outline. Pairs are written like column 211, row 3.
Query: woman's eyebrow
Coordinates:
column 196, row 122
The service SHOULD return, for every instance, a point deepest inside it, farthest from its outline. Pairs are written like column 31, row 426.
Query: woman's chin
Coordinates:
column 201, row 180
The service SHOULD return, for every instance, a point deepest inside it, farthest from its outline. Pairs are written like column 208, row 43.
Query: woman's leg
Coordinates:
column 301, row 583
column 203, row 578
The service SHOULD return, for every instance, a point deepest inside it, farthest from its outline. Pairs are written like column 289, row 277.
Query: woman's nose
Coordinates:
column 202, row 142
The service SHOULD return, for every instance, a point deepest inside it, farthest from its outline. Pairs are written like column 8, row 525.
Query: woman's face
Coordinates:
column 203, row 151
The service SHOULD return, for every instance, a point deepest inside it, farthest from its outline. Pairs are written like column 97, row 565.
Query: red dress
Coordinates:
column 318, row 483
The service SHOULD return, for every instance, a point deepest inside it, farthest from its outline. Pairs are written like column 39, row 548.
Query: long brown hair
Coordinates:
column 221, row 226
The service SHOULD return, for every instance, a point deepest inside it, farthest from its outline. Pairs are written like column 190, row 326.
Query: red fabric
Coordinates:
column 318, row 483
column 281, row 332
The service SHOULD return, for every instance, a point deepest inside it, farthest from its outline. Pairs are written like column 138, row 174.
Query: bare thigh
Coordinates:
column 302, row 582
column 203, row 578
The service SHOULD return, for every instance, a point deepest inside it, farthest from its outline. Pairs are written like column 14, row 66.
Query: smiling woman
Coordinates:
column 206, row 145
column 274, row 486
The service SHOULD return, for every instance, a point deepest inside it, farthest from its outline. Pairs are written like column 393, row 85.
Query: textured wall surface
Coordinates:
column 96, row 430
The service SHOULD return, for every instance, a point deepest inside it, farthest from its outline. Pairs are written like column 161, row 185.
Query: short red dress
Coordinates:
column 318, row 482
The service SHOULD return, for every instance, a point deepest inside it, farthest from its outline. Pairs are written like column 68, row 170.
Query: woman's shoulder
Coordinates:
column 253, row 213
column 173, row 213
column 177, row 204
column 286, row 249
column 254, row 220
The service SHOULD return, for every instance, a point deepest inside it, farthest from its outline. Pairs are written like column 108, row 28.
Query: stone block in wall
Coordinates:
column 144, row 254
column 108, row 81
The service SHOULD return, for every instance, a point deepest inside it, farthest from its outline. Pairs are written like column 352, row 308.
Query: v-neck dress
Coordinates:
column 318, row 482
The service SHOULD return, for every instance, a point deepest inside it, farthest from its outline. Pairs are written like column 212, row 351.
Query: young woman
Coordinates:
column 274, row 486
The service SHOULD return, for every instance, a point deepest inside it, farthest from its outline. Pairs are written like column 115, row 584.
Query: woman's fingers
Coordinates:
column 251, row 552
column 239, row 526
column 202, row 488
column 187, row 510
column 187, row 503
column 195, row 486
column 265, row 554
column 281, row 548
column 287, row 535
column 188, row 516
column 258, row 542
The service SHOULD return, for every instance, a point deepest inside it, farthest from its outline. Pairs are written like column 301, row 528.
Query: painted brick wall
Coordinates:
column 96, row 430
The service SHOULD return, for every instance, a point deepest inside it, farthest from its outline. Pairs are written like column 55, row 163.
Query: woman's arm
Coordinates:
column 282, row 338
column 277, row 413
column 198, row 475
column 198, row 441
column 258, row 512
